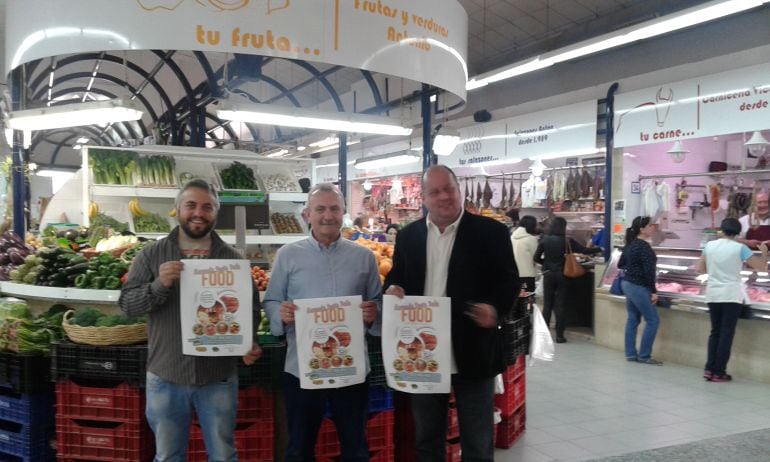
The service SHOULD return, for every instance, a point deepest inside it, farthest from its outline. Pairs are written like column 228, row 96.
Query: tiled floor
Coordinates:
column 590, row 403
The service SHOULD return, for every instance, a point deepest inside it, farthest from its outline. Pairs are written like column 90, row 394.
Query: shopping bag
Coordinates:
column 539, row 286
column 541, row 343
column 572, row 269
column 616, row 288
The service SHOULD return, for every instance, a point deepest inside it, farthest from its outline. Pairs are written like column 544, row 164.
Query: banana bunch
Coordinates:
column 93, row 210
column 135, row 209
column 172, row 213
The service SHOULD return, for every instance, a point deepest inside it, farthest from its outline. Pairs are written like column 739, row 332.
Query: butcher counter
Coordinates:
column 684, row 321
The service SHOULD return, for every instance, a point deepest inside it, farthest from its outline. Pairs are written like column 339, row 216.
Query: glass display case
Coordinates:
column 678, row 282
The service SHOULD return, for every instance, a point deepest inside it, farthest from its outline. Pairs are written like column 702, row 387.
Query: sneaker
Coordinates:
column 721, row 378
column 651, row 362
column 632, row 359
column 707, row 374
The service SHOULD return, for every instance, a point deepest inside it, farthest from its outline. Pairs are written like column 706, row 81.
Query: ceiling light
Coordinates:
column 74, row 115
column 335, row 146
column 276, row 153
column 537, row 167
column 77, row 146
column 301, row 148
column 386, row 160
column 286, row 116
column 756, row 144
column 328, row 141
column 663, row 25
column 677, row 152
column 367, row 185
column 82, row 140
column 445, row 140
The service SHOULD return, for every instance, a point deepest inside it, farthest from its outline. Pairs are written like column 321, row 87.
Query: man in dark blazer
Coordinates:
column 467, row 258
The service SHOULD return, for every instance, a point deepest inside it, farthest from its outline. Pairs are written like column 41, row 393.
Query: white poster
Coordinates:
column 216, row 303
column 416, row 343
column 330, row 342
column 730, row 102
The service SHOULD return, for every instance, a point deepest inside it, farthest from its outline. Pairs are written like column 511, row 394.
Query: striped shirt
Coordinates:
column 143, row 294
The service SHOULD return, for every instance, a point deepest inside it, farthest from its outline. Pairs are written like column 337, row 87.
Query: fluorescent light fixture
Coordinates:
column 286, row 116
column 277, row 153
column 74, row 115
column 328, row 141
column 445, row 141
column 757, row 144
column 82, row 140
column 386, row 160
column 335, row 146
column 301, row 148
column 77, row 147
column 677, row 152
column 663, row 25
column 334, row 164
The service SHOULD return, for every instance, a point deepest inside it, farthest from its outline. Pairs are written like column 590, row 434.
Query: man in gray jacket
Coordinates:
column 177, row 383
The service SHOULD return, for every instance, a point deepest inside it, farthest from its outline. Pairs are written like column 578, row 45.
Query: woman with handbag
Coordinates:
column 551, row 254
column 638, row 260
column 724, row 259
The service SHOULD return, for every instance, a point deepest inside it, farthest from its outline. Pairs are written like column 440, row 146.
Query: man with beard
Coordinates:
column 323, row 265
column 177, row 383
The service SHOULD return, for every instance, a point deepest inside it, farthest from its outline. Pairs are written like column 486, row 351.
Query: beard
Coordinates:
column 197, row 234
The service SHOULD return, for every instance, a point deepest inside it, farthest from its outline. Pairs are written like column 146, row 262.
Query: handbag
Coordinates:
column 541, row 343
column 572, row 269
column 616, row 288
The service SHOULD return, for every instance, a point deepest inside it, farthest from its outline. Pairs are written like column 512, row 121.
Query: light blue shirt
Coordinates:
column 306, row 269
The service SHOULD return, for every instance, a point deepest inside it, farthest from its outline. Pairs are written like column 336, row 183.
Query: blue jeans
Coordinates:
column 475, row 413
column 639, row 305
column 169, row 413
column 305, row 410
column 724, row 317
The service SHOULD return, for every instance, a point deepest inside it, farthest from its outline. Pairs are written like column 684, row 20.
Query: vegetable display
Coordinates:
column 147, row 222
column 13, row 252
column 103, row 272
column 238, row 176
column 101, row 220
column 156, row 170
column 25, row 334
column 91, row 317
column 113, row 166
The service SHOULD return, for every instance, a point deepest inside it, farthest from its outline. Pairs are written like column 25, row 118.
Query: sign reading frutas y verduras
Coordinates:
column 416, row 343
column 423, row 40
column 330, row 342
column 216, row 302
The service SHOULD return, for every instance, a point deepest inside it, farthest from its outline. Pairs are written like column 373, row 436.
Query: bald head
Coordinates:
column 762, row 210
column 441, row 195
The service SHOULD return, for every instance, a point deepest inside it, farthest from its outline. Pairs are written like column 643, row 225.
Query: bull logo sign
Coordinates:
column 212, row 5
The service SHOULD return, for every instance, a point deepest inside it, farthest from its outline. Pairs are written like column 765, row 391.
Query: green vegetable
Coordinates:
column 112, row 283
column 99, row 222
column 112, row 166
column 118, row 269
column 97, row 282
column 82, row 281
column 86, row 316
column 76, row 269
column 238, row 176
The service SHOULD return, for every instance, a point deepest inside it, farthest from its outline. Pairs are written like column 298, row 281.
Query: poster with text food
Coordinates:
column 216, row 303
column 330, row 342
column 416, row 343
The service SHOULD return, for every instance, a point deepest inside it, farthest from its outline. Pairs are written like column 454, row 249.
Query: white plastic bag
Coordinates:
column 499, row 384
column 541, row 343
column 539, row 286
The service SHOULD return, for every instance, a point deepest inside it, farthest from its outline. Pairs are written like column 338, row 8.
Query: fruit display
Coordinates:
column 33, row 241
column 145, row 221
column 93, row 210
column 383, row 253
column 264, row 324
column 13, row 252
column 260, row 277
column 113, row 167
column 280, row 182
column 285, row 223
column 156, row 171
column 238, row 176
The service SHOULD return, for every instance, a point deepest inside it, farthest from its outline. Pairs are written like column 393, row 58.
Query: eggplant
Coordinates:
column 4, row 275
column 15, row 256
column 4, row 258
column 14, row 238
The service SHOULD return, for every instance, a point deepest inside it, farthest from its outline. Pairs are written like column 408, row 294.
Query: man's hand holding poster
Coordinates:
column 330, row 342
column 416, row 343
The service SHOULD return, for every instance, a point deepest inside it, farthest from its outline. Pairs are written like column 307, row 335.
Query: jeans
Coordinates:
column 554, row 298
column 169, row 413
column 305, row 410
column 724, row 317
column 475, row 412
column 639, row 305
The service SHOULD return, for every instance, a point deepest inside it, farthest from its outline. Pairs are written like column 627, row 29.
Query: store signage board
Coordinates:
column 729, row 102
column 424, row 41
column 561, row 132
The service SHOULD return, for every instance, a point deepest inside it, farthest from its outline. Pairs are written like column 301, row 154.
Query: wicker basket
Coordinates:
column 91, row 253
column 103, row 336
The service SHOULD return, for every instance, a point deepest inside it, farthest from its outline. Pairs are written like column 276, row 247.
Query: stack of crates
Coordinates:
column 100, row 403
column 512, row 405
column 255, row 422
column 26, row 408
column 516, row 328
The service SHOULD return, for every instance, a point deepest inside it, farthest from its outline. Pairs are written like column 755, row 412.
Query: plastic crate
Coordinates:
column 510, row 429
column 377, row 373
column 515, row 370
column 267, row 371
column 104, row 441
column 24, row 373
column 92, row 399
column 26, row 409
column 516, row 338
column 254, row 404
column 513, row 398
column 327, row 444
column 379, row 431
column 453, row 452
column 453, row 424
column 382, row 455
column 380, row 399
column 126, row 363
column 41, row 452
column 24, row 440
column 253, row 441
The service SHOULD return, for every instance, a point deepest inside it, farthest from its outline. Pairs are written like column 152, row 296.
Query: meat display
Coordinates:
column 676, row 288
column 758, row 295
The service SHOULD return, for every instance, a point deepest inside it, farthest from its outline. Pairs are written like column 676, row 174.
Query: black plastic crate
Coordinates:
column 72, row 360
column 516, row 337
column 267, row 371
column 377, row 372
column 26, row 374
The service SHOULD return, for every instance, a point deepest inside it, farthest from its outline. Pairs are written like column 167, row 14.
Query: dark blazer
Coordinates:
column 481, row 269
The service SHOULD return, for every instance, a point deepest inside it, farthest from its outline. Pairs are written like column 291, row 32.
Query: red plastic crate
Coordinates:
column 511, row 428
column 253, row 441
column 327, row 444
column 453, row 424
column 99, row 400
column 254, row 404
column 453, row 452
column 513, row 398
column 514, row 371
column 102, row 440
column 383, row 455
column 379, row 431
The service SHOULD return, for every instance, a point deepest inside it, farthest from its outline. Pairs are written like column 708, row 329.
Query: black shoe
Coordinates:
column 561, row 340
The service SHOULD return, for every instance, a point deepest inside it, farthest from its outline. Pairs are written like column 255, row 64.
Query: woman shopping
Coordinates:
column 524, row 240
column 638, row 260
column 723, row 260
column 550, row 253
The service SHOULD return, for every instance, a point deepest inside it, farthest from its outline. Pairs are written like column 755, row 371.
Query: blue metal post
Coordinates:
column 17, row 166
column 609, row 144
column 427, row 146
column 342, row 175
